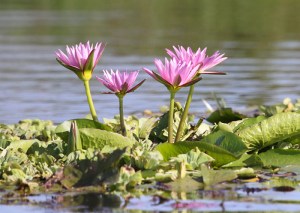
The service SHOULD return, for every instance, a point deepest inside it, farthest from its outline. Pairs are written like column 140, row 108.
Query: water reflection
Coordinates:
column 260, row 37
column 88, row 202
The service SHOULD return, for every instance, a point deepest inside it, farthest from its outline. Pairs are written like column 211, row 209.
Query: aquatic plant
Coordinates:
column 120, row 83
column 198, row 58
column 174, row 75
column 84, row 155
column 82, row 60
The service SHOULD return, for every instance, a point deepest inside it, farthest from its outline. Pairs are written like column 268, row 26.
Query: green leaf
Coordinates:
column 186, row 184
column 97, row 138
column 280, row 157
column 274, row 129
column 228, row 141
column 246, row 160
column 156, row 134
column 145, row 126
column 224, row 115
column 22, row 144
column 212, row 177
column 221, row 155
column 193, row 159
column 248, row 122
column 63, row 129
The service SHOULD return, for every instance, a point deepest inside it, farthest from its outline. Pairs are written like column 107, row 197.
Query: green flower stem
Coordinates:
column 185, row 113
column 171, row 119
column 90, row 100
column 122, row 123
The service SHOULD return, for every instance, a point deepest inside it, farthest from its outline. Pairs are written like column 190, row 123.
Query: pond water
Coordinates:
column 252, row 197
column 261, row 39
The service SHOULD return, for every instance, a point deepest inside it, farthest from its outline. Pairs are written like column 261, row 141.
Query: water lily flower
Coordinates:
column 174, row 75
column 120, row 83
column 82, row 59
column 198, row 58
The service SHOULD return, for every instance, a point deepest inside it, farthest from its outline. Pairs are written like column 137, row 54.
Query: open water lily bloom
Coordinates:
column 119, row 83
column 81, row 58
column 199, row 57
column 175, row 74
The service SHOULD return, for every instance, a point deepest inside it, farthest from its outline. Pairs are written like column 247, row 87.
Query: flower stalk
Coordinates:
column 122, row 122
column 90, row 100
column 196, row 59
column 185, row 114
column 171, row 117
column 120, row 83
column 82, row 60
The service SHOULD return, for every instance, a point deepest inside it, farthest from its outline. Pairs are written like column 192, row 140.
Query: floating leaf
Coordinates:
column 212, row 177
column 280, row 157
column 228, row 141
column 246, row 160
column 193, row 159
column 145, row 126
column 97, row 138
column 186, row 184
column 63, row 129
column 221, row 155
column 22, row 144
column 271, row 130
column 248, row 122
column 224, row 115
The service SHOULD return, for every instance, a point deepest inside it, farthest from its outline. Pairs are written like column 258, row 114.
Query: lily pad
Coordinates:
column 97, row 138
column 220, row 155
column 224, row 115
column 274, row 129
column 212, row 177
column 228, row 141
column 63, row 129
column 280, row 157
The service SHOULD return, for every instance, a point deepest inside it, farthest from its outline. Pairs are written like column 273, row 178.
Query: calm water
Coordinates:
column 261, row 38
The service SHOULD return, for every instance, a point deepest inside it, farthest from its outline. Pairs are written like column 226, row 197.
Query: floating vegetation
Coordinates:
column 169, row 156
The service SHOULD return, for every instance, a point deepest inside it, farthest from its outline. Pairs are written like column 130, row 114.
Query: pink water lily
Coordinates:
column 120, row 83
column 81, row 58
column 174, row 74
column 199, row 57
